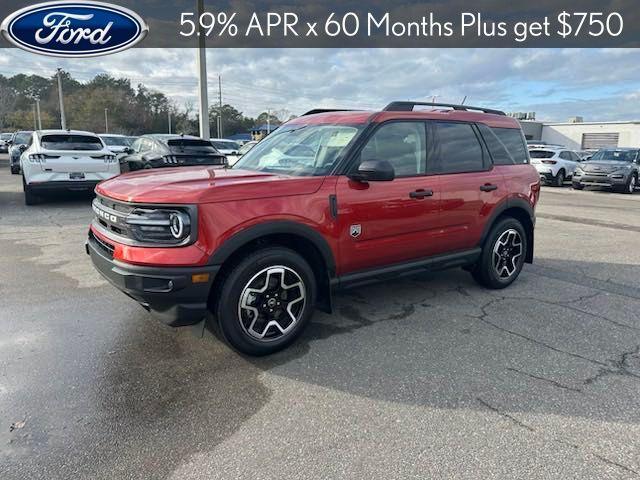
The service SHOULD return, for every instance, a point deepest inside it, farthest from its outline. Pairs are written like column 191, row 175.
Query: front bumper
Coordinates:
column 600, row 180
column 167, row 292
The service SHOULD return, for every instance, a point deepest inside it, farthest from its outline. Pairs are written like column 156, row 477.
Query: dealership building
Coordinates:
column 579, row 135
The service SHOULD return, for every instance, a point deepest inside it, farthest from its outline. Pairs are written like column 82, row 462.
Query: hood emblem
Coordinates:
column 355, row 230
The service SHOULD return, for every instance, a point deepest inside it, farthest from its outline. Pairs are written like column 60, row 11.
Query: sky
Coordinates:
column 597, row 84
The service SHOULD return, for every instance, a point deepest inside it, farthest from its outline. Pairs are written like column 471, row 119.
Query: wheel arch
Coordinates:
column 299, row 237
column 520, row 210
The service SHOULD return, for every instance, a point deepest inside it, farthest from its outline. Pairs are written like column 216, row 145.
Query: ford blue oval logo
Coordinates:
column 74, row 29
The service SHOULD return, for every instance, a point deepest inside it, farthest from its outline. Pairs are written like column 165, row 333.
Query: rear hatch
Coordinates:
column 190, row 151
column 70, row 153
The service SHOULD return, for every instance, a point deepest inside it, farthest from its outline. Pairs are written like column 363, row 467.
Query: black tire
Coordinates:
column 558, row 181
column 630, row 187
column 577, row 186
column 485, row 271
column 29, row 197
column 15, row 170
column 232, row 319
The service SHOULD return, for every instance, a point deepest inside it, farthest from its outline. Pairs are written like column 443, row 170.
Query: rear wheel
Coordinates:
column 559, row 180
column 15, row 169
column 29, row 197
column 265, row 301
column 502, row 256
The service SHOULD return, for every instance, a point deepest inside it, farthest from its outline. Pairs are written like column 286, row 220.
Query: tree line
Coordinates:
column 131, row 110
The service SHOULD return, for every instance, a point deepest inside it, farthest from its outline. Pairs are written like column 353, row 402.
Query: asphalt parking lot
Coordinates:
column 428, row 377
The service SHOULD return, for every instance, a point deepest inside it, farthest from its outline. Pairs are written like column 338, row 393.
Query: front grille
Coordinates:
column 111, row 216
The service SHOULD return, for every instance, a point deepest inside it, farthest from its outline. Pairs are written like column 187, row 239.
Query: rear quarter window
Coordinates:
column 514, row 142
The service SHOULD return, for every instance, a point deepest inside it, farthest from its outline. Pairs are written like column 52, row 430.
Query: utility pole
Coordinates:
column 220, row 106
column 203, row 96
column 169, row 119
column 106, row 120
column 38, row 112
column 63, row 120
column 35, row 120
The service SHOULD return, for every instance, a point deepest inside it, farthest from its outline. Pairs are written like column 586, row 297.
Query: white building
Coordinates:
column 584, row 135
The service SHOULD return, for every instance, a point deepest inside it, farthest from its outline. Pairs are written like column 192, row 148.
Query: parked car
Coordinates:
column 615, row 168
column 555, row 165
column 585, row 154
column 246, row 147
column 160, row 150
column 228, row 148
column 116, row 143
column 5, row 140
column 68, row 160
column 19, row 141
column 329, row 200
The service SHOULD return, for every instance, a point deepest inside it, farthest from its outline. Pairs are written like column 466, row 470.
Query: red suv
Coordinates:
column 331, row 199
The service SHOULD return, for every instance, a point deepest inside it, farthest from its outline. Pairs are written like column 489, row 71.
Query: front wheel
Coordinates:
column 502, row 256
column 630, row 187
column 266, row 300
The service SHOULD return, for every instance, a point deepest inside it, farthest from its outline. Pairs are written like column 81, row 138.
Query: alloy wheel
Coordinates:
column 506, row 252
column 632, row 184
column 272, row 303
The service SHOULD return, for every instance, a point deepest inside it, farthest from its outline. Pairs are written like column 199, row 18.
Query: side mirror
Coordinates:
column 22, row 148
column 9, row 142
column 128, row 150
column 374, row 171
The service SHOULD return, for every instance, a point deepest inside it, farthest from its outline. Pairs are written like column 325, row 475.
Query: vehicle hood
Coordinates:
column 604, row 167
column 204, row 184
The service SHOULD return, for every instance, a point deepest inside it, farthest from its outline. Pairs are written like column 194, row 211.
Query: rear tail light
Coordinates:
column 37, row 158
column 170, row 159
column 549, row 162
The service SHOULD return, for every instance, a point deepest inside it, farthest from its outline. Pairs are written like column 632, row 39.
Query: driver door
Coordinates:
column 382, row 223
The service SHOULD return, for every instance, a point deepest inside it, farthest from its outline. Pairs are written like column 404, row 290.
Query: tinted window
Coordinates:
column 70, row 142
column 541, row 153
column 514, row 142
column 116, row 141
column 499, row 153
column 457, row 149
column 402, row 144
column 225, row 145
column 190, row 146
column 565, row 155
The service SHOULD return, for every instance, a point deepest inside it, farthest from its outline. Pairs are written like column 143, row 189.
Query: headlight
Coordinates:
column 169, row 226
column 578, row 171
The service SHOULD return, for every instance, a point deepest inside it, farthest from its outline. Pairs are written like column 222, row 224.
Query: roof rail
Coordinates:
column 325, row 110
column 409, row 106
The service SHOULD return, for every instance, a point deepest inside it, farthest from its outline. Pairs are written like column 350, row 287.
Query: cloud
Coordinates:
column 555, row 83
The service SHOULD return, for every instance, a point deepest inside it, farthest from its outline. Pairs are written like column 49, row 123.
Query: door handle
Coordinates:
column 421, row 193
column 488, row 187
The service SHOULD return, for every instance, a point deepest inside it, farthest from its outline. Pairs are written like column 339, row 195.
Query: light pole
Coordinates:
column 169, row 119
column 63, row 120
column 106, row 120
column 203, row 96
column 38, row 112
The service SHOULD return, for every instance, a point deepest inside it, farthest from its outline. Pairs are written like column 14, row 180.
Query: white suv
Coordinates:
column 55, row 160
column 554, row 164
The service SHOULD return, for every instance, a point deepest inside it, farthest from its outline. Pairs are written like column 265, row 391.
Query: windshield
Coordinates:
column 22, row 138
column 300, row 150
column 615, row 156
column 185, row 145
column 541, row 154
column 225, row 145
column 5, row 136
column 71, row 142
column 117, row 141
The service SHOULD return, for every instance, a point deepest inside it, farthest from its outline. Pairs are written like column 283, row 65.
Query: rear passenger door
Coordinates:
column 470, row 186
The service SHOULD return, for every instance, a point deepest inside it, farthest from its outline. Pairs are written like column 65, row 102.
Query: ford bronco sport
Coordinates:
column 331, row 199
